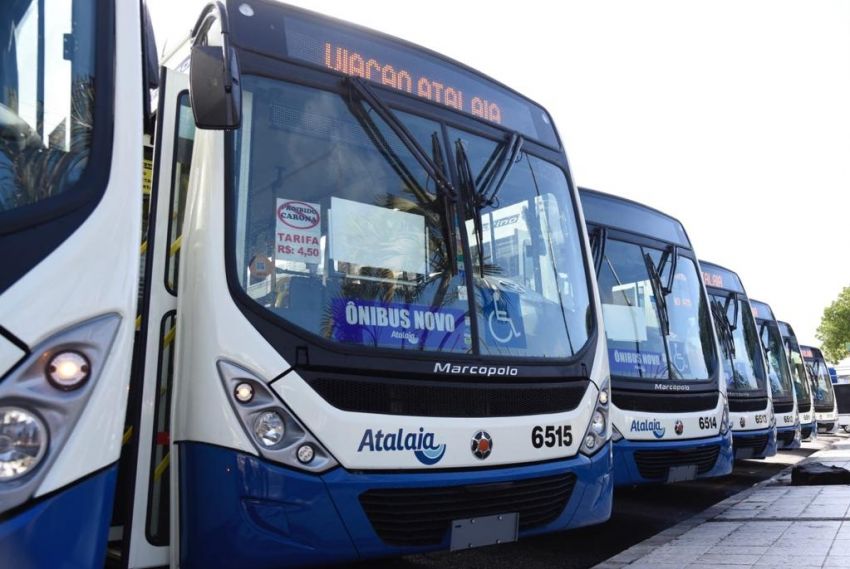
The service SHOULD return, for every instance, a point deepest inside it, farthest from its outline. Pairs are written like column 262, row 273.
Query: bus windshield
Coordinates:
column 821, row 384
column 342, row 232
column 778, row 372
column 639, row 346
column 798, row 369
column 46, row 108
column 743, row 365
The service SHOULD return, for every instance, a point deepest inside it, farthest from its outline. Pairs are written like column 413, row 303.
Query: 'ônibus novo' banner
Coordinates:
column 397, row 325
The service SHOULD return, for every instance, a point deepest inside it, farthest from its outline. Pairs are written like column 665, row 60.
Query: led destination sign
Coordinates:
column 399, row 66
column 718, row 277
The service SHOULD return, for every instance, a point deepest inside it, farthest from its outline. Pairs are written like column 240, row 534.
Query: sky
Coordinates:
column 731, row 115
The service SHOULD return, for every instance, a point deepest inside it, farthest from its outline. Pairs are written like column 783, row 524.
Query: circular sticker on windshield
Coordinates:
column 298, row 215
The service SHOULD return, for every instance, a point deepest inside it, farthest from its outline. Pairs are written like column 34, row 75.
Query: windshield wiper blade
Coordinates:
column 472, row 206
column 598, row 241
column 448, row 205
column 494, row 174
column 659, row 293
column 435, row 168
column 365, row 92
column 671, row 253
column 724, row 330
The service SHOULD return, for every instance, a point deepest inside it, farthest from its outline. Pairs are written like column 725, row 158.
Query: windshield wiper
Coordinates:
column 660, row 294
column 733, row 324
column 598, row 241
column 724, row 328
column 496, row 171
column 671, row 254
column 470, row 199
column 434, row 168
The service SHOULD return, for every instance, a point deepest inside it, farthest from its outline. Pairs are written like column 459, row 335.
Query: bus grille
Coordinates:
column 785, row 438
column 804, row 406
column 742, row 404
column 448, row 399
column 783, row 406
column 654, row 464
column 407, row 517
column 653, row 402
column 806, row 431
column 757, row 443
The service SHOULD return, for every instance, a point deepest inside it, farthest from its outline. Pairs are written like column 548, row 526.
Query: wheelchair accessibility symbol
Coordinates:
column 500, row 324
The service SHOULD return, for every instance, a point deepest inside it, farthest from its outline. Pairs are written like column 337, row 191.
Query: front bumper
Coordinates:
column 754, row 444
column 788, row 437
column 68, row 528
column 662, row 454
column 242, row 511
column 808, row 431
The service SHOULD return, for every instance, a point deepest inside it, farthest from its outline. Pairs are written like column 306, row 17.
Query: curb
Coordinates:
column 647, row 546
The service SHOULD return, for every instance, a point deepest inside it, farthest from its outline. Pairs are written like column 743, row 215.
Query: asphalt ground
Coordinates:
column 639, row 513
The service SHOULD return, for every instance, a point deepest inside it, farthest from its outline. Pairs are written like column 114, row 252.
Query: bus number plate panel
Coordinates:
column 682, row 473
column 485, row 530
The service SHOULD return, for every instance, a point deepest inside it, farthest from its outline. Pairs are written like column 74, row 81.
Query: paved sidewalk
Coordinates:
column 771, row 525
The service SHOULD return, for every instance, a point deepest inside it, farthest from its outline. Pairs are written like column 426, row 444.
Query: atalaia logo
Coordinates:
column 422, row 443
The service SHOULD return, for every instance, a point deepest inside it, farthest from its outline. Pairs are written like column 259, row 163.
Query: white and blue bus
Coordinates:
column 783, row 389
column 802, row 383
column 370, row 324
column 71, row 127
column 744, row 367
column 669, row 409
column 823, row 394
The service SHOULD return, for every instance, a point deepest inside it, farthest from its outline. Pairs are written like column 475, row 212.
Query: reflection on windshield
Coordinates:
column 46, row 98
column 637, row 346
column 341, row 231
column 798, row 370
column 778, row 372
column 742, row 361
column 821, row 383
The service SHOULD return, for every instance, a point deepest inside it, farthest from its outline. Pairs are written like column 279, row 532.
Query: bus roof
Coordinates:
column 715, row 276
column 761, row 310
column 621, row 213
column 283, row 31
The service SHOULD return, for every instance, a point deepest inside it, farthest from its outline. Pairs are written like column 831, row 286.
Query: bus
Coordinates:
column 669, row 412
column 826, row 406
column 369, row 324
column 802, row 383
column 71, row 80
column 784, row 389
column 744, row 367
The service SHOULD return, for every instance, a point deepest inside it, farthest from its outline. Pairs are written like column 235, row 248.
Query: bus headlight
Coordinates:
column 724, row 419
column 274, row 430
column 23, row 442
column 597, row 424
column 597, row 430
column 269, row 429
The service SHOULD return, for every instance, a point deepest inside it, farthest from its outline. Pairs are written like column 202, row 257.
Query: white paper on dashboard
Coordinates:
column 624, row 323
column 374, row 236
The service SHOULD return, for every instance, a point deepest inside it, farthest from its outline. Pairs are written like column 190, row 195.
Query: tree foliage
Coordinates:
column 834, row 329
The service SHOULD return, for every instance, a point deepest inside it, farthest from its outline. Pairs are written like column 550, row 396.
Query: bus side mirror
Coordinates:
column 214, row 88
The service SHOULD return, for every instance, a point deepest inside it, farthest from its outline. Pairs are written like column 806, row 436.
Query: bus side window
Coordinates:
column 183, row 143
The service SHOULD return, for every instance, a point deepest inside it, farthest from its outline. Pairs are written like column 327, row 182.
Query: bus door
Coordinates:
column 144, row 537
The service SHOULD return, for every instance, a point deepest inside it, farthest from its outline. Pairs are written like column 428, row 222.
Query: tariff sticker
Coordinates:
column 298, row 231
